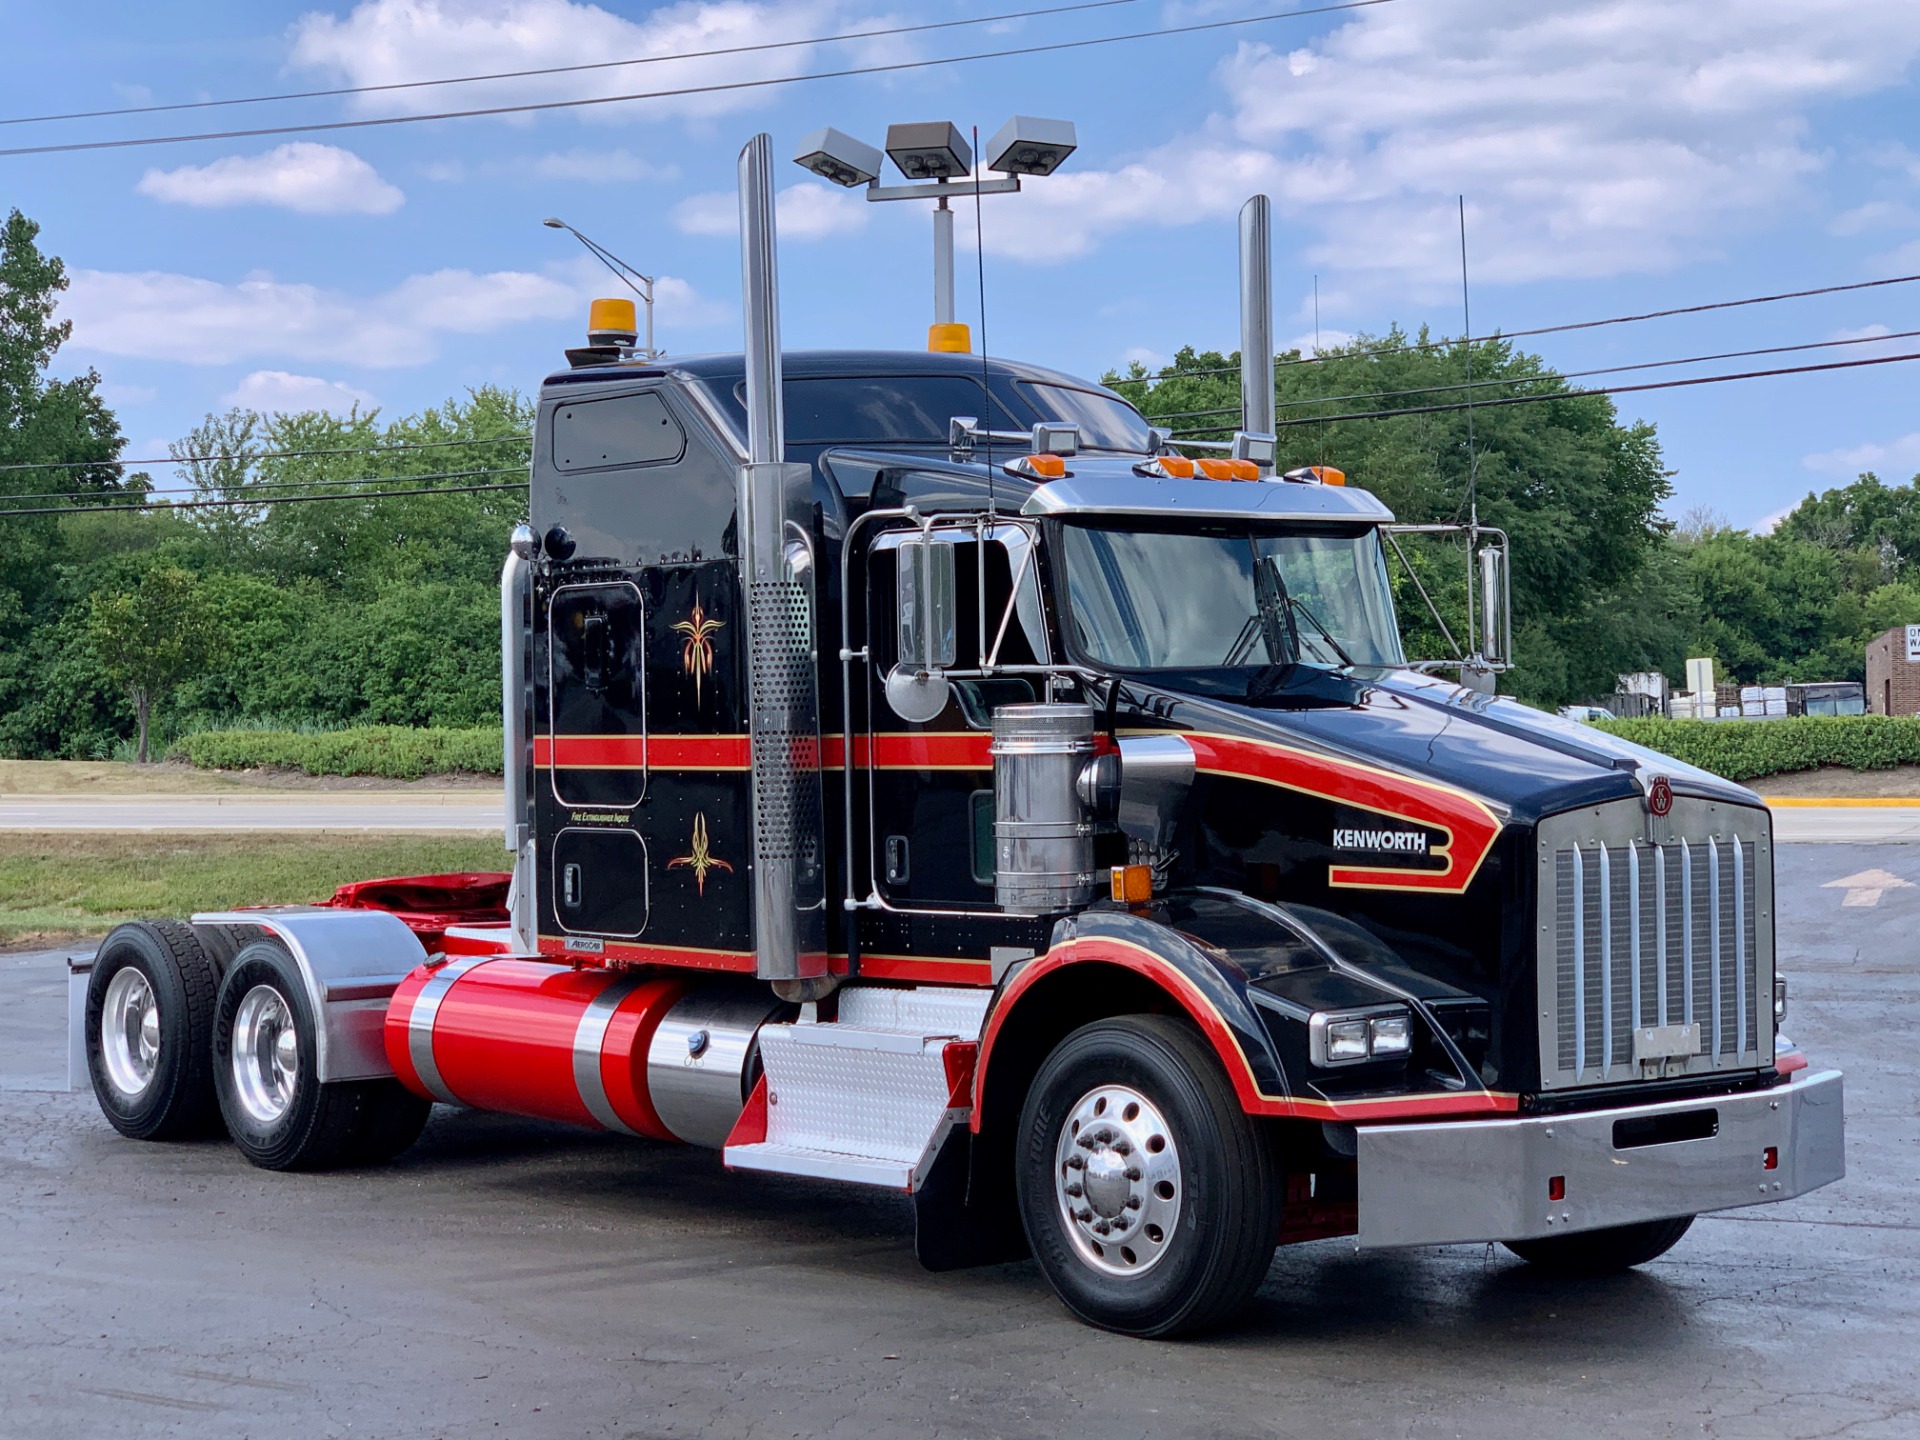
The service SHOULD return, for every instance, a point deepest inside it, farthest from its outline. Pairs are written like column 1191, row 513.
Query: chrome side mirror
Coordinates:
column 1496, row 632
column 927, row 638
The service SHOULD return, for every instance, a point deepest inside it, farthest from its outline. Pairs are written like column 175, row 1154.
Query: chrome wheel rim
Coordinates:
column 1117, row 1180
column 266, row 1055
column 130, row 1033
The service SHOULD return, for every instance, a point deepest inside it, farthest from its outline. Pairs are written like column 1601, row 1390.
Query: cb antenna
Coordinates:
column 980, row 272
column 1466, row 308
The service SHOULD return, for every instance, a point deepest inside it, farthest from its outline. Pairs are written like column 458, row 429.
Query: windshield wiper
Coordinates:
column 1300, row 606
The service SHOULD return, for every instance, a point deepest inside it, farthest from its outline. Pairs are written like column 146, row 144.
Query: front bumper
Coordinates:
column 1441, row 1184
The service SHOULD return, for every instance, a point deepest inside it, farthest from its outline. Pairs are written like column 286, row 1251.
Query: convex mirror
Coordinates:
column 917, row 684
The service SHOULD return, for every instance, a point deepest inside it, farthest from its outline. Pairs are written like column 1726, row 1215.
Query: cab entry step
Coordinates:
column 869, row 1097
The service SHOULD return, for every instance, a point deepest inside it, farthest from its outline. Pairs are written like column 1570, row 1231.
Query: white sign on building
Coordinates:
column 1913, row 644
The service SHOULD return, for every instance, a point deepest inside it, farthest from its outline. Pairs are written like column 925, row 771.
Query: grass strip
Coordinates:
column 57, row 886
column 393, row 752
column 1749, row 749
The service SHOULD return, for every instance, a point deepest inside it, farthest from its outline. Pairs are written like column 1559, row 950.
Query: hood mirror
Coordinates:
column 927, row 645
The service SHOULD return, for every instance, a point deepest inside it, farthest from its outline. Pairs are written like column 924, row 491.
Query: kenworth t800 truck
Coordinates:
column 919, row 774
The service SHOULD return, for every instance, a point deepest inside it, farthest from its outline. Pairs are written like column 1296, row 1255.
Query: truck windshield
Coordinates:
column 1196, row 599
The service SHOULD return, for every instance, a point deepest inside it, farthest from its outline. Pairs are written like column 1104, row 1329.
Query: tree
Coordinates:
column 1577, row 491
column 151, row 637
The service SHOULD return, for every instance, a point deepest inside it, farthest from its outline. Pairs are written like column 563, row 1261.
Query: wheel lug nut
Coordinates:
column 1133, row 1202
column 1103, row 1228
column 1120, row 1222
column 1083, row 1214
column 1123, row 1146
column 1133, row 1172
column 1075, row 1191
column 1085, row 1142
column 1076, row 1162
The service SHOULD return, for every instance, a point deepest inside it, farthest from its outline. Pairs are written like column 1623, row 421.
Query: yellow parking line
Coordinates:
column 1808, row 802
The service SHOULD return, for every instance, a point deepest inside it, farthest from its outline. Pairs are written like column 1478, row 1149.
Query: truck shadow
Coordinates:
column 1316, row 1294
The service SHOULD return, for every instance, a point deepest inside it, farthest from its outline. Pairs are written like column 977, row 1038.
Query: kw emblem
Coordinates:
column 702, row 859
column 696, row 656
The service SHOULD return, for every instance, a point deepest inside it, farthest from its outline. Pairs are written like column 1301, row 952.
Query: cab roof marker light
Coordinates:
column 1166, row 467
column 1038, row 467
column 1316, row 475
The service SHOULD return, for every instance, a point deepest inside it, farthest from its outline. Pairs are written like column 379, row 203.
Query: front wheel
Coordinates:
column 1147, row 1194
column 265, row 1068
column 1602, row 1252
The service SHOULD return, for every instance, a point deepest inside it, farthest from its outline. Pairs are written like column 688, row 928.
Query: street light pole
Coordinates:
column 934, row 154
column 942, row 263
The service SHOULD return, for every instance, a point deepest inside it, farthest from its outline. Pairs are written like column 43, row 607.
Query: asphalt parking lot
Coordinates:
column 521, row 1279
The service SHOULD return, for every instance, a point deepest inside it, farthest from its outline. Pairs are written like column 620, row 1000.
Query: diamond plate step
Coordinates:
column 864, row 1102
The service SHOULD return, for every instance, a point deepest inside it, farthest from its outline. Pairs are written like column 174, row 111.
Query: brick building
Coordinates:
column 1893, row 672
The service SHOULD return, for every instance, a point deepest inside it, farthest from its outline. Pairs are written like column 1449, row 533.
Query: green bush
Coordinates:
column 1748, row 749
column 393, row 752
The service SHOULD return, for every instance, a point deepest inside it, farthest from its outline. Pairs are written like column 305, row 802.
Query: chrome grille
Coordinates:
column 1647, row 925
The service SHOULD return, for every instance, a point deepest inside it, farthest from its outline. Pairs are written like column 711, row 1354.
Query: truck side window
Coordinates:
column 626, row 430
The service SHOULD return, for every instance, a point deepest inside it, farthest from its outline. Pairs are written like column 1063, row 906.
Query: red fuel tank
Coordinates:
column 529, row 1038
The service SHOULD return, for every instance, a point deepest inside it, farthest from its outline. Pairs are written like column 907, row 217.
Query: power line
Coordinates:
column 1596, row 390
column 1538, row 330
column 894, row 67
column 1547, row 375
column 250, row 456
column 567, row 69
column 253, row 485
column 279, row 500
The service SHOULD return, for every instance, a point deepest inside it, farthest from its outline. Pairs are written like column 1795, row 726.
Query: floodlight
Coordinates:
column 1026, row 146
column 929, row 150
column 840, row 158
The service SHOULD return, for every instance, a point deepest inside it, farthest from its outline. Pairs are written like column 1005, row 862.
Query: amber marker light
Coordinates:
column 1132, row 884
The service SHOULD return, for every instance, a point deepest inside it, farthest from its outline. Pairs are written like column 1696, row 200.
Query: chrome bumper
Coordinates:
column 1442, row 1184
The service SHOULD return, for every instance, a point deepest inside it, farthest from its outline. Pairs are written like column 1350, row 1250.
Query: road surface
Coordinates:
column 349, row 810
column 522, row 1279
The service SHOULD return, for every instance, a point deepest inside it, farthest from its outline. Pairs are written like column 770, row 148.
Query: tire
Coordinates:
column 391, row 1119
column 149, row 1032
column 1602, row 1252
column 264, row 1071
column 1184, row 1171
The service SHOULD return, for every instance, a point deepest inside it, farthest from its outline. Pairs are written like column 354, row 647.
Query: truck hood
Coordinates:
column 1520, row 761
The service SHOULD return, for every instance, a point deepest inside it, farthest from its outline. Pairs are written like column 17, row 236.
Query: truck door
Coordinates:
column 931, row 782
column 596, row 695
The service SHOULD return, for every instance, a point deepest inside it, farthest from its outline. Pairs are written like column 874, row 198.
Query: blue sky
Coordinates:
column 1616, row 155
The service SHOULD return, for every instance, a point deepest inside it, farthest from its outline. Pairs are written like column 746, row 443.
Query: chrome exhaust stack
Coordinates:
column 774, row 523
column 1256, row 328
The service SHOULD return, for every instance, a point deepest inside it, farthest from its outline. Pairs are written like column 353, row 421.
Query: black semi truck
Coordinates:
column 922, row 774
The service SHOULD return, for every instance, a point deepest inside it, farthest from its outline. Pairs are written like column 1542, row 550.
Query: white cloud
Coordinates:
column 601, row 167
column 1874, row 215
column 1591, row 137
column 1862, row 332
column 159, row 315
column 1766, row 524
column 1891, row 460
column 305, row 177
column 576, row 166
column 806, row 211
column 272, row 391
column 382, row 42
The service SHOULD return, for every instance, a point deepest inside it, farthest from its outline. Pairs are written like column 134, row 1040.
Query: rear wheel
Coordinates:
column 1602, row 1252
column 149, row 1028
column 1147, row 1194
column 265, row 1068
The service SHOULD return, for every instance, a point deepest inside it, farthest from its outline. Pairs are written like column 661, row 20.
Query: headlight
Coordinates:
column 1382, row 1033
column 1346, row 1040
column 1391, row 1034
column 1779, row 1000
